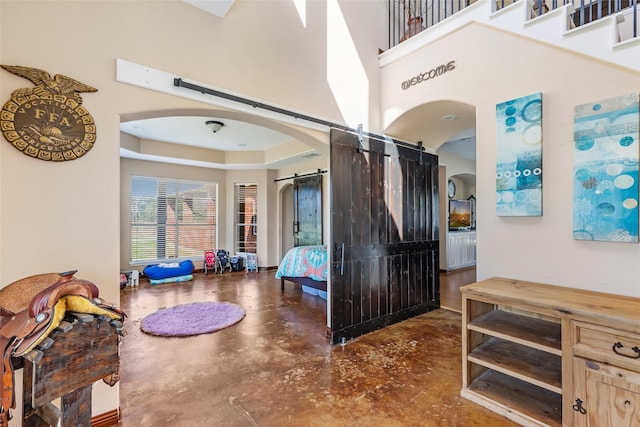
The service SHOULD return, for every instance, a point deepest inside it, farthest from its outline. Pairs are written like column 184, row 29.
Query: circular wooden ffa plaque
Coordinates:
column 48, row 122
column 53, row 128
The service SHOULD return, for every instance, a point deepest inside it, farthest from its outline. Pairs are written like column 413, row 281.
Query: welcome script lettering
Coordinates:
column 427, row 75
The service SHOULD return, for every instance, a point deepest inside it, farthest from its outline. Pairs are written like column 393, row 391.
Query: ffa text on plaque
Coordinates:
column 48, row 122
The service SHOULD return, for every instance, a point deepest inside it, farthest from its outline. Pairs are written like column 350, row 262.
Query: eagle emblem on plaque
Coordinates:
column 48, row 121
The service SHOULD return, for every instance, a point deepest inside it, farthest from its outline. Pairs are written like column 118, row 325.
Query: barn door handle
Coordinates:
column 341, row 250
column 618, row 345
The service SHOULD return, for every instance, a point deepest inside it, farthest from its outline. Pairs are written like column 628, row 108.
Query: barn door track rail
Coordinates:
column 179, row 82
column 295, row 175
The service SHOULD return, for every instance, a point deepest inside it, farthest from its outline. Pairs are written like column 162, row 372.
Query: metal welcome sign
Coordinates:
column 428, row 75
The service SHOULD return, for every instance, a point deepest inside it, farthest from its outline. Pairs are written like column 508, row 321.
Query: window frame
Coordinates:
column 182, row 239
column 252, row 223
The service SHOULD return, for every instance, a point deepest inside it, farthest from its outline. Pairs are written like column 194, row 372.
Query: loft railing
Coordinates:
column 592, row 10
column 409, row 17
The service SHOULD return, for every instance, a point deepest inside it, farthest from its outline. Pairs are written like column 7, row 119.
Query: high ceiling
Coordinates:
column 430, row 123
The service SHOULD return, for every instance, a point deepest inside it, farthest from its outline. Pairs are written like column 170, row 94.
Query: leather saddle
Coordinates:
column 31, row 308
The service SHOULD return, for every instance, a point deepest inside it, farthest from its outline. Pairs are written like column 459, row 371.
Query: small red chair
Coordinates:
column 209, row 261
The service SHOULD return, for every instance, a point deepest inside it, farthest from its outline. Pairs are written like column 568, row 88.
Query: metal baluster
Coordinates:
column 635, row 18
column 389, row 42
column 391, row 21
column 396, row 23
column 433, row 10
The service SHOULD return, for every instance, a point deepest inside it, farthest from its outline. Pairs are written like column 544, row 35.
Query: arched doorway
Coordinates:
column 448, row 129
column 247, row 149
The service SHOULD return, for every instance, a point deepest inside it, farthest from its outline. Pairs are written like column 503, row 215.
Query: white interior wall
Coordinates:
column 286, row 219
column 535, row 248
column 67, row 215
column 455, row 166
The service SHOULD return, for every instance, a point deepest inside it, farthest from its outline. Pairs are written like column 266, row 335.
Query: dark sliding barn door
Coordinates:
column 307, row 210
column 384, row 211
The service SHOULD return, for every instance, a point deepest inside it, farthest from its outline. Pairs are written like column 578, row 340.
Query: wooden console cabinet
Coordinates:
column 546, row 355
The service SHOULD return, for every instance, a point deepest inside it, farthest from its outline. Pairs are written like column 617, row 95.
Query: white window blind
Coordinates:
column 171, row 218
column 246, row 217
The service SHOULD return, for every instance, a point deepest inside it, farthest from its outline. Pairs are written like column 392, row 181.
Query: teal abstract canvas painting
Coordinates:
column 519, row 157
column 605, row 170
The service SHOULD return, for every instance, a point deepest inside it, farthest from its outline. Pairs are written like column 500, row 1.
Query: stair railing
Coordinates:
column 409, row 17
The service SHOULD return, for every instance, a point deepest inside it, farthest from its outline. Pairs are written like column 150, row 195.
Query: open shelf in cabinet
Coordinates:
column 534, row 352
column 525, row 330
column 513, row 360
column 534, row 366
column 525, row 402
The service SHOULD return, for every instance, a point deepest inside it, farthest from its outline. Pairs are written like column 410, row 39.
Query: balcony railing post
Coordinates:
column 635, row 18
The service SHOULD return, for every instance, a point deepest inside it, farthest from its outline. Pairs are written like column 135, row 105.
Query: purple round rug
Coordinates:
column 192, row 319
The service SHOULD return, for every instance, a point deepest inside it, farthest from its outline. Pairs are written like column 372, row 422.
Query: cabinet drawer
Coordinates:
column 616, row 347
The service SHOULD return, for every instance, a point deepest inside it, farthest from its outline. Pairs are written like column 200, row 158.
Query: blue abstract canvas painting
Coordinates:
column 605, row 170
column 519, row 157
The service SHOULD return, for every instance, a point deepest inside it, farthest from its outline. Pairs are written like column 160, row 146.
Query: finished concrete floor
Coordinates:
column 275, row 368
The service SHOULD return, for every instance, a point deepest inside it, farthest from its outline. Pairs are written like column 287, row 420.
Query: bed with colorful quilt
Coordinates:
column 306, row 265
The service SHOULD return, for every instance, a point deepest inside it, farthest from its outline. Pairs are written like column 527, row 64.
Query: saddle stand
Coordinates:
column 52, row 325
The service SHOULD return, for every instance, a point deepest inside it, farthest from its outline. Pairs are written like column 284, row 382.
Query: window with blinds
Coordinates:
column 171, row 218
column 246, row 217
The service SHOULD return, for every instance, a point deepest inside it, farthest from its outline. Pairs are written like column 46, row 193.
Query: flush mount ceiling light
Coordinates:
column 448, row 117
column 215, row 126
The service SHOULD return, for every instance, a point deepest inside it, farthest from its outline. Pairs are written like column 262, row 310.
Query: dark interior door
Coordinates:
column 384, row 211
column 307, row 210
